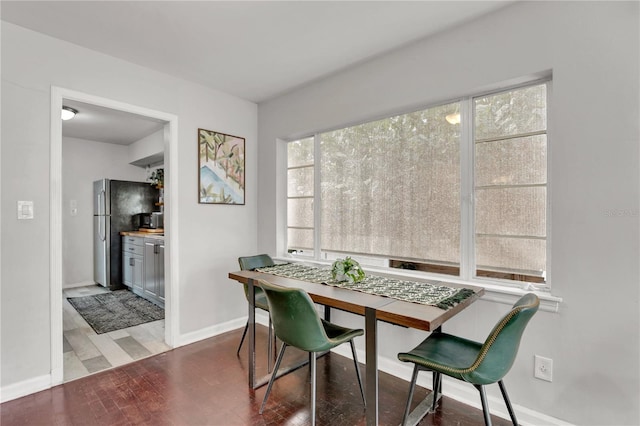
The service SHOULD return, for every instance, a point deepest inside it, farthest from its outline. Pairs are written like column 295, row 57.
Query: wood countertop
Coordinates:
column 157, row 234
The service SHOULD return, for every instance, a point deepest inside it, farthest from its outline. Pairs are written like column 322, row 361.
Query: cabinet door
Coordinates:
column 137, row 276
column 127, row 269
column 150, row 254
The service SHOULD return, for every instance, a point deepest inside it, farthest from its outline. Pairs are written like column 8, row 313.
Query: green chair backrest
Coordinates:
column 295, row 319
column 501, row 347
column 253, row 262
column 248, row 263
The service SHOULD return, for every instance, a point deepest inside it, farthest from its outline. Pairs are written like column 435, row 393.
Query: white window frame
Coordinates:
column 467, row 206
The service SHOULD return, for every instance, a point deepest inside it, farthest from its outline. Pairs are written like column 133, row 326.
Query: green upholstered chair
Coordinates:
column 250, row 263
column 473, row 362
column 297, row 323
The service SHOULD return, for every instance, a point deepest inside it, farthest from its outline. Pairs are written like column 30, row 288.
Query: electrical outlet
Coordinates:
column 543, row 368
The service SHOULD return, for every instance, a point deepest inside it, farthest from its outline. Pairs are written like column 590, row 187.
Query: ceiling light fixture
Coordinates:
column 68, row 113
column 453, row 118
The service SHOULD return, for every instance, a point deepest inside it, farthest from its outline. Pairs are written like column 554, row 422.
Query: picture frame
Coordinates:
column 221, row 168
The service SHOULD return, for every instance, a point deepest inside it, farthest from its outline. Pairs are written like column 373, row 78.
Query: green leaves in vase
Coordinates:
column 347, row 270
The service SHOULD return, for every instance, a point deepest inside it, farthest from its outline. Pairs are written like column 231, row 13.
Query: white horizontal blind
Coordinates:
column 300, row 193
column 392, row 187
column 510, row 131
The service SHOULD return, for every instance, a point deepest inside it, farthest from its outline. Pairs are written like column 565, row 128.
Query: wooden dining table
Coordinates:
column 374, row 308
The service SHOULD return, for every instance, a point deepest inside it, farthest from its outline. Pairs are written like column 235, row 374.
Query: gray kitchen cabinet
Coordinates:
column 133, row 263
column 154, row 270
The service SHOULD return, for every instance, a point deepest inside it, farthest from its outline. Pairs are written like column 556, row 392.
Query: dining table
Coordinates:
column 374, row 308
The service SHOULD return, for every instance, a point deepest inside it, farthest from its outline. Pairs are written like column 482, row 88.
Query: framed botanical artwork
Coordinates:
column 221, row 168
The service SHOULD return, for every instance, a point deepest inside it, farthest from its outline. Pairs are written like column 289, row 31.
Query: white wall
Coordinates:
column 211, row 237
column 592, row 48
column 83, row 162
column 148, row 150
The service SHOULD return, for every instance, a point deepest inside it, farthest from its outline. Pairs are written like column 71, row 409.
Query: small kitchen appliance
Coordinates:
column 154, row 220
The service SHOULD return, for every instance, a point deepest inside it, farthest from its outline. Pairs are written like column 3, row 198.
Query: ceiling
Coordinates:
column 97, row 123
column 256, row 50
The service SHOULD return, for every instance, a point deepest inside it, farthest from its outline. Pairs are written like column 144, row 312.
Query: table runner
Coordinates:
column 431, row 293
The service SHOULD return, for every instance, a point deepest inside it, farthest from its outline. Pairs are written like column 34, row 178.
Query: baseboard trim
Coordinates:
column 80, row 284
column 468, row 395
column 27, row 387
column 205, row 333
column 455, row 389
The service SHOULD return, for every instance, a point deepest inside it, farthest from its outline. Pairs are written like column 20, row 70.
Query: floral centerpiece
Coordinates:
column 347, row 270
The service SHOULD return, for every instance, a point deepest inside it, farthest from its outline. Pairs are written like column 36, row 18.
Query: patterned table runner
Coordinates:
column 427, row 293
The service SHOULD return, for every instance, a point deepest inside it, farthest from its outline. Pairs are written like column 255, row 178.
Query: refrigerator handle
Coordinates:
column 100, row 200
column 101, row 210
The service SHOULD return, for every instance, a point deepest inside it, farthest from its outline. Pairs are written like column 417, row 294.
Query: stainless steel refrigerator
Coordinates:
column 115, row 203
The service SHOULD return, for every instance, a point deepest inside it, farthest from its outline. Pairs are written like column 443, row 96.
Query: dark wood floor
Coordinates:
column 206, row 384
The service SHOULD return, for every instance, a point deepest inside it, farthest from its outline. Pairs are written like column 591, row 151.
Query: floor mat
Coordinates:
column 115, row 310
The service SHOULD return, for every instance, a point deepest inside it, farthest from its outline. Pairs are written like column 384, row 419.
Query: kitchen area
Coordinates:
column 129, row 237
column 113, row 239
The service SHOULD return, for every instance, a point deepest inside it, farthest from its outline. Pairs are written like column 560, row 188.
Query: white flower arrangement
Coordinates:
column 347, row 270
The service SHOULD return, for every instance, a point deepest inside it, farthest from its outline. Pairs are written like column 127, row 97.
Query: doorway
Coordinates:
column 58, row 95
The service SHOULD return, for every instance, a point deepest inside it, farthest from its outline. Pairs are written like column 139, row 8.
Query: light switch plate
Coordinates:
column 25, row 210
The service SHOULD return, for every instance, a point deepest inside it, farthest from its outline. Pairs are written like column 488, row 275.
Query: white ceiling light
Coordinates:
column 453, row 118
column 68, row 113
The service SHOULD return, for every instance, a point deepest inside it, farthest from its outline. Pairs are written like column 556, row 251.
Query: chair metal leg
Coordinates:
column 355, row 361
column 244, row 334
column 312, row 362
column 412, row 386
column 269, row 347
column 273, row 376
column 275, row 343
column 485, row 406
column 503, row 389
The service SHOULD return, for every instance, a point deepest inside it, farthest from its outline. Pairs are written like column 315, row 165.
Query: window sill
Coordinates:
column 493, row 292
column 508, row 295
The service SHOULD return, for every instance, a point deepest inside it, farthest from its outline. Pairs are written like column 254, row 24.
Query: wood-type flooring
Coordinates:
column 205, row 383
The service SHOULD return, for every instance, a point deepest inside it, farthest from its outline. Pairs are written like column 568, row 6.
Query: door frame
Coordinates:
column 55, row 222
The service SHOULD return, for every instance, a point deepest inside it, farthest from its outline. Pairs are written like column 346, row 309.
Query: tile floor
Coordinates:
column 86, row 352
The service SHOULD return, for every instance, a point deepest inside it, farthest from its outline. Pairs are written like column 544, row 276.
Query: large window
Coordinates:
column 458, row 189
